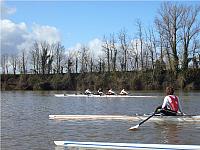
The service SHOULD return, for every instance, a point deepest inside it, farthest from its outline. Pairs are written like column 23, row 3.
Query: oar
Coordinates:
column 137, row 126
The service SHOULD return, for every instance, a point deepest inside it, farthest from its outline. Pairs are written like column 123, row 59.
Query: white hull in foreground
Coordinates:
column 103, row 96
column 132, row 146
column 123, row 117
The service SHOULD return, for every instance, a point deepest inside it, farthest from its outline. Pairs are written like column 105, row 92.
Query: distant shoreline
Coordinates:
column 134, row 80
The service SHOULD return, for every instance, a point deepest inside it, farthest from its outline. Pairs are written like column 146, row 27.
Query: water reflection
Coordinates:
column 169, row 132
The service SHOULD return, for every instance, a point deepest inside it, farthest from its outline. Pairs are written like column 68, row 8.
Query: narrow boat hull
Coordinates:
column 132, row 146
column 103, row 96
column 186, row 118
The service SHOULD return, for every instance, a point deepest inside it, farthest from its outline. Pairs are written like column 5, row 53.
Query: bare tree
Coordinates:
column 150, row 48
column 106, row 48
column 134, row 54
column 76, row 64
column 50, row 60
column 91, row 64
column 140, row 34
column 23, row 62
column 77, row 57
column 170, row 21
column 45, row 56
column 114, row 52
column 59, row 56
column 84, row 59
column 35, row 57
column 195, row 53
column 14, row 62
column 99, row 65
column 124, row 48
column 4, row 63
column 163, row 44
column 69, row 64
column 74, row 60
column 190, row 28
column 161, row 38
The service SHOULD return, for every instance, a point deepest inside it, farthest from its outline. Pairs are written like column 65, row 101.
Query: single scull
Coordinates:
column 186, row 118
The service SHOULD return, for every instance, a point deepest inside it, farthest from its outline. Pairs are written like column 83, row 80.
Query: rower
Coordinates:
column 100, row 91
column 110, row 92
column 171, row 105
column 123, row 92
column 88, row 92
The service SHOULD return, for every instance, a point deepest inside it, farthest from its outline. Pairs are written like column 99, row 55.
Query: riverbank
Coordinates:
column 134, row 80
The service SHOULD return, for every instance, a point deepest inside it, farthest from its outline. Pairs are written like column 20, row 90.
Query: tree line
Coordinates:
column 172, row 43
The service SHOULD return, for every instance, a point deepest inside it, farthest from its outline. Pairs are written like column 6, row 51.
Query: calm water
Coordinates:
column 25, row 124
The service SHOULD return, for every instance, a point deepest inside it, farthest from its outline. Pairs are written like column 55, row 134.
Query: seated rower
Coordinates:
column 100, row 91
column 110, row 92
column 171, row 105
column 88, row 92
column 123, row 92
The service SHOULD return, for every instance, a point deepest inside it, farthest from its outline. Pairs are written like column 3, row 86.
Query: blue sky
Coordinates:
column 83, row 21
column 80, row 22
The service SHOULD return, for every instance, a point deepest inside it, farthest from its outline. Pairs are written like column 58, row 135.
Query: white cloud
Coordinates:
column 15, row 37
column 77, row 47
column 95, row 48
column 5, row 11
column 74, row 50
column 45, row 33
column 12, row 35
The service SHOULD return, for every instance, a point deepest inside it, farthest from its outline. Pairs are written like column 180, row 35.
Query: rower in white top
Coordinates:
column 88, row 92
column 110, row 92
column 100, row 91
column 123, row 92
column 171, row 105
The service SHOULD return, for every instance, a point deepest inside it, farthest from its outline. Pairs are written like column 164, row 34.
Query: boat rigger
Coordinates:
column 185, row 118
column 104, row 96
column 131, row 146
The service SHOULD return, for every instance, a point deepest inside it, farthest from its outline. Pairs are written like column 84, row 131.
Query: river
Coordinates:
column 25, row 124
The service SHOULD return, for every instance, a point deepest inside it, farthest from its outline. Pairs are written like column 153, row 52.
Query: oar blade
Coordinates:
column 134, row 127
column 137, row 126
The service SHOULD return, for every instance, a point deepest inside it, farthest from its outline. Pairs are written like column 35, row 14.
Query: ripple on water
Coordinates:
column 25, row 123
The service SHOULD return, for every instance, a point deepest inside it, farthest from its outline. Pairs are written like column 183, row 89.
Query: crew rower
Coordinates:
column 123, row 92
column 88, row 92
column 100, row 91
column 171, row 105
column 110, row 92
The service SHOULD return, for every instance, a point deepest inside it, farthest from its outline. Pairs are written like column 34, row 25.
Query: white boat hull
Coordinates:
column 124, row 117
column 103, row 96
column 132, row 146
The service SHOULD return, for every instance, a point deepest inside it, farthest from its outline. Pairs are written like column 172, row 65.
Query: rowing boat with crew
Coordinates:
column 132, row 146
column 103, row 96
column 156, row 118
